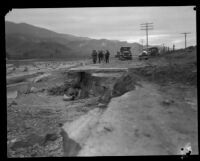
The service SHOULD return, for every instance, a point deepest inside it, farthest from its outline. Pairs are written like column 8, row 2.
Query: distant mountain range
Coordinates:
column 24, row 41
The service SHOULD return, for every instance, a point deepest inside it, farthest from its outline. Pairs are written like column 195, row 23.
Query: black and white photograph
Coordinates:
column 101, row 81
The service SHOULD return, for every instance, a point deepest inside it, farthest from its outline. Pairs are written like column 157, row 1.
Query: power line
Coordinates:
column 185, row 33
column 146, row 27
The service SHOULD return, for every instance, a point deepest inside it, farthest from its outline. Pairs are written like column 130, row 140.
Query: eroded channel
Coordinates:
column 98, row 86
column 105, row 86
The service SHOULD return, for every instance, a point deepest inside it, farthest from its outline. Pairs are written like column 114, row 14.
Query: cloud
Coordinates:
column 119, row 23
column 177, row 41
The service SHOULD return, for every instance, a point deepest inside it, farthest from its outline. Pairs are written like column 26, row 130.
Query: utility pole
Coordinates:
column 185, row 33
column 146, row 27
column 141, row 40
column 173, row 47
column 163, row 48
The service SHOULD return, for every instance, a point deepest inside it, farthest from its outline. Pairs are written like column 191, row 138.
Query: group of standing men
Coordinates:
column 101, row 56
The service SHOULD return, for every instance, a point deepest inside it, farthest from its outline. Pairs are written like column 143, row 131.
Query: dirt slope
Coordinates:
column 137, row 123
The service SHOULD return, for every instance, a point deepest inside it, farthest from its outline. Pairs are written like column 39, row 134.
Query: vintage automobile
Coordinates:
column 147, row 53
column 143, row 55
column 125, row 53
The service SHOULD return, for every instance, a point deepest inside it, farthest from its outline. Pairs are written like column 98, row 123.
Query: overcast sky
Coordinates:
column 116, row 23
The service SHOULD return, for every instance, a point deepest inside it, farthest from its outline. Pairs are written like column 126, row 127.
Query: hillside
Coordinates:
column 27, row 41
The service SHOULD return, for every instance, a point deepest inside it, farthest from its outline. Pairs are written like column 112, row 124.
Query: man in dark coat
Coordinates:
column 107, row 55
column 100, row 55
column 94, row 56
column 103, row 56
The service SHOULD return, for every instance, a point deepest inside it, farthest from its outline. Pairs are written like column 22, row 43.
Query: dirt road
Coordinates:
column 137, row 123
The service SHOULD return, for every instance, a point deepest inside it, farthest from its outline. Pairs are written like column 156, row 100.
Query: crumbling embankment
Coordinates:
column 76, row 133
column 101, row 135
column 104, row 85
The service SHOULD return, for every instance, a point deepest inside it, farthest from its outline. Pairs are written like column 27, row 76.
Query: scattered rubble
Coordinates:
column 58, row 90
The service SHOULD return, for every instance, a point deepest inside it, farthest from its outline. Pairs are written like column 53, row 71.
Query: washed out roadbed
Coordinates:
column 34, row 119
column 33, row 129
